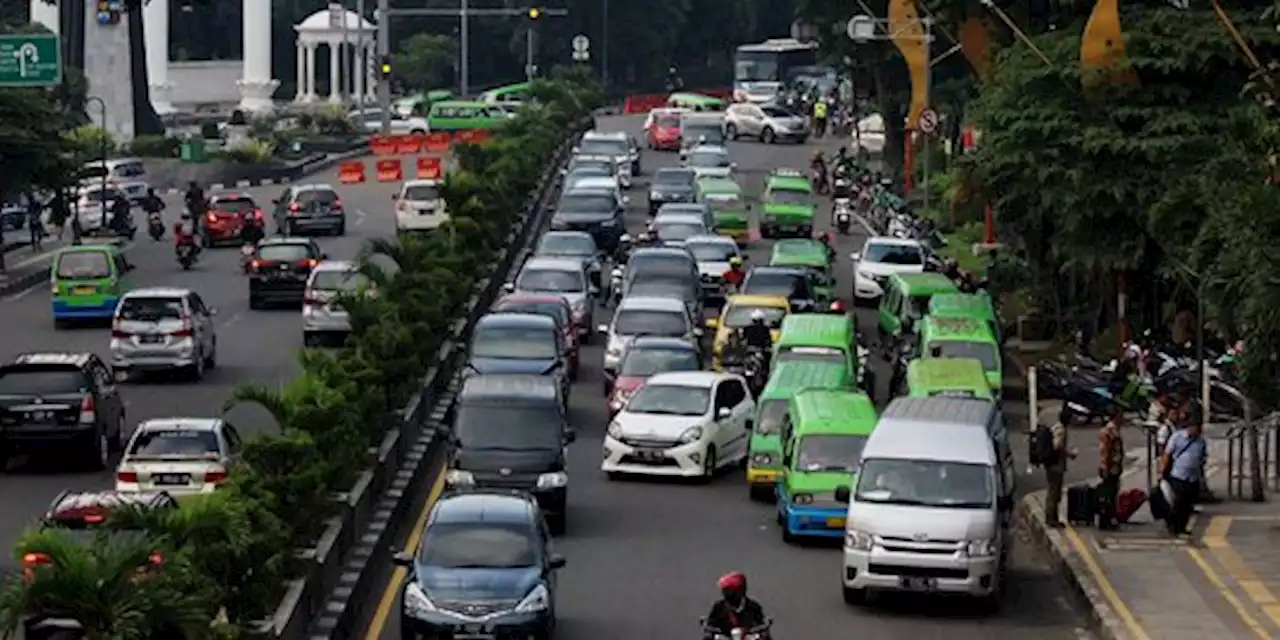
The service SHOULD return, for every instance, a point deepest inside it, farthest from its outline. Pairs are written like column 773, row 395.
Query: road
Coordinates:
column 643, row 556
column 253, row 346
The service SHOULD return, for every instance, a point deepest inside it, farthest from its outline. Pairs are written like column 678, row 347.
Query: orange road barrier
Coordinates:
column 383, row 145
column 390, row 171
column 409, row 144
column 429, row 168
column 437, row 142
column 351, row 172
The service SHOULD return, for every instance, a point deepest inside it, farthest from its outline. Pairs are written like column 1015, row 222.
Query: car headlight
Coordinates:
column 614, row 351
column 762, row 459
column 984, row 548
column 416, row 603
column 802, row 498
column 538, row 600
column 691, row 435
column 857, row 540
column 459, row 478
column 866, row 276
column 619, row 400
column 553, row 480
column 656, row 195
column 614, row 431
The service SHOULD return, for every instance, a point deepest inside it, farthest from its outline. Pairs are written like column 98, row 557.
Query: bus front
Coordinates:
column 757, row 74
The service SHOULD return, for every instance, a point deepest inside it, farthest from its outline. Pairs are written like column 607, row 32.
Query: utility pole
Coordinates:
column 344, row 56
column 604, row 43
column 384, row 50
column 361, row 60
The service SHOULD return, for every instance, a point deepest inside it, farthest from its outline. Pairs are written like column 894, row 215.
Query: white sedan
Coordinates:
column 181, row 456
column 688, row 424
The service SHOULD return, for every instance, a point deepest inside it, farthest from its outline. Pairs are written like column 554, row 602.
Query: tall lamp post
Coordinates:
column 102, row 151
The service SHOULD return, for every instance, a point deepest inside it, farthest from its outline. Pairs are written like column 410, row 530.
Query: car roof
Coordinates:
column 53, row 357
column 532, row 320
column 502, row 386
column 699, row 379
column 682, row 207
column 285, row 240
column 553, row 263
column 711, row 239
column 604, row 135
column 336, row 265
column 662, row 342
column 314, row 186
column 601, row 183
column 669, row 252
column 531, row 298
column 73, row 503
column 709, row 148
column 769, row 269
column 589, row 191
column 421, row 183
column 564, row 232
column 678, row 216
column 652, row 303
column 673, row 170
column 758, row 300
column 938, row 428
column 894, row 241
column 230, row 195
column 483, row 506
column 157, row 292
column 184, row 424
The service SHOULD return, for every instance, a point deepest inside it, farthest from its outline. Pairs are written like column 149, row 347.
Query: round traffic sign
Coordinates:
column 928, row 121
column 580, row 43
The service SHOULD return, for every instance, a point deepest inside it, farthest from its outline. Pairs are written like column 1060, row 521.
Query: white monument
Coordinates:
column 340, row 30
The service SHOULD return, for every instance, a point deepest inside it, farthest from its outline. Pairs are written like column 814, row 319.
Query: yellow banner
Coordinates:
column 908, row 34
column 1102, row 45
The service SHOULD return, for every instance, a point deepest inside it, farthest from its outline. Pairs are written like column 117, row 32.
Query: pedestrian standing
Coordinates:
column 34, row 212
column 1183, row 466
column 1049, row 450
column 1110, row 468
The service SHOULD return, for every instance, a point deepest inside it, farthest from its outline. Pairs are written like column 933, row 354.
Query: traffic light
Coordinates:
column 535, row 13
column 385, row 67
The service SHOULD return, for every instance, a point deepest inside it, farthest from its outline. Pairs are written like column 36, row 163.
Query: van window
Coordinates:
column 150, row 309
column 825, row 452
column 772, row 415
column 83, row 265
column 129, row 170
column 930, row 483
column 489, row 425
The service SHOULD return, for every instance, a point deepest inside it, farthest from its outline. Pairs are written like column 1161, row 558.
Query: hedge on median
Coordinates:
column 227, row 555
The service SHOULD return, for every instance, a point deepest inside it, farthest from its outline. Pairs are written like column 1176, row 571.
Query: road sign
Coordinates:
column 30, row 60
column 581, row 44
column 928, row 121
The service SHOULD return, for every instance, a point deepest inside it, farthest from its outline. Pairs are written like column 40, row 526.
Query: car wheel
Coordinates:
column 98, row 453
column 854, row 596
column 557, row 522
column 613, row 476
column 254, row 302
column 211, row 360
column 710, row 464
column 197, row 369
column 787, row 536
column 767, row 136
column 116, row 442
column 730, row 132
column 342, row 229
column 418, row 132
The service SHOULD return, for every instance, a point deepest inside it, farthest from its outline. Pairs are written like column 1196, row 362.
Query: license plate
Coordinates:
column 40, row 416
column 152, row 339
column 83, row 291
column 171, row 478
column 652, row 455
column 284, row 267
column 914, row 583
column 835, row 523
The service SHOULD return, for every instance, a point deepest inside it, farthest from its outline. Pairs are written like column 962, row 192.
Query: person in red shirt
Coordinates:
column 733, row 277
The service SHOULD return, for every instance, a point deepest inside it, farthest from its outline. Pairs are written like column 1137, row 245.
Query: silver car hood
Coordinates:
column 712, row 268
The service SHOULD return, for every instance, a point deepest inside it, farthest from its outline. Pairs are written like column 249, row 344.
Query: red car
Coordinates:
column 662, row 129
column 648, row 356
column 228, row 213
column 559, row 310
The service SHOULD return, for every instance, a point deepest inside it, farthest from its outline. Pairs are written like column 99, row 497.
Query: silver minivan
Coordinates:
column 932, row 509
column 645, row 316
column 163, row 328
column 322, row 316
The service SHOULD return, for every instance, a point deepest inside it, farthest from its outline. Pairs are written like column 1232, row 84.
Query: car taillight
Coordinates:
column 122, row 335
column 156, row 559
column 294, row 208
column 308, row 263
column 185, row 331
column 127, row 476
column 312, row 301
column 336, row 206
column 214, row 477
column 257, row 215
column 87, row 409
column 211, row 217
column 95, row 518
column 255, row 264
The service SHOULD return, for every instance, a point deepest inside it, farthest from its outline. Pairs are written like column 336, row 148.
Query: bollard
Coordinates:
column 1033, row 396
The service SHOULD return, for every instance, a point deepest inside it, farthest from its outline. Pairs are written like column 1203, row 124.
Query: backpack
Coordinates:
column 1041, row 445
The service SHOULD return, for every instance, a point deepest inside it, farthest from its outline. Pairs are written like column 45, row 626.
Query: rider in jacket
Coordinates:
column 734, row 275
column 734, row 610
column 758, row 334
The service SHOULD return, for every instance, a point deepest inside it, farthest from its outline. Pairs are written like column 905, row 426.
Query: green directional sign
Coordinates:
column 30, row 60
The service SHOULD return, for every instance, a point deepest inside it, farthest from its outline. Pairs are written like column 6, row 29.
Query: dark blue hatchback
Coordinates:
column 484, row 570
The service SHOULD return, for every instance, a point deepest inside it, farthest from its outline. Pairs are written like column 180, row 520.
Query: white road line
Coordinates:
column 360, row 216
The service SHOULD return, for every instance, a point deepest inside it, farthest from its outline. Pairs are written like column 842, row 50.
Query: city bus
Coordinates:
column 759, row 70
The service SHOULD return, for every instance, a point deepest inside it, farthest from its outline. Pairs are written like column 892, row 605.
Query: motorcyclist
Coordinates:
column 184, row 233
column 622, row 252
column 820, row 117
column 819, row 164
column 734, row 610
column 195, row 199
column 250, row 231
column 152, row 203
column 120, row 216
column 674, row 83
column 830, row 242
column 734, row 275
column 758, row 334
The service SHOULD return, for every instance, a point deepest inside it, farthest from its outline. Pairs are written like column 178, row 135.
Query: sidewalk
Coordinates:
column 24, row 267
column 1140, row 583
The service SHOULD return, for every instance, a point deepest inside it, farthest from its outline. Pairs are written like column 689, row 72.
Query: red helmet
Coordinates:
column 837, row 307
column 733, row 581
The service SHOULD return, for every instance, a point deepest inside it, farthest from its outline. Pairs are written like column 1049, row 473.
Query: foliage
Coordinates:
column 426, row 61
column 252, row 152
column 155, row 147
column 33, row 150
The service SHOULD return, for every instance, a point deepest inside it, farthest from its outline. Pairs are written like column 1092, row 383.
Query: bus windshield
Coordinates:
column 771, row 62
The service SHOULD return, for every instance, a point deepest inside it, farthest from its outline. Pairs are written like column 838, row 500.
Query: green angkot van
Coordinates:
column 87, row 281
column 966, row 305
column 948, row 378
column 694, row 102
column 822, row 439
column 787, row 379
column 512, row 94
column 906, row 300
column 818, row 337
column 459, row 115
column 963, row 338
column 808, row 254
column 787, row 207
column 725, row 198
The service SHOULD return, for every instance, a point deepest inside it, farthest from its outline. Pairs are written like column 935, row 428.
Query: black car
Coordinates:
column 279, row 269
column 797, row 285
column 596, row 212
column 510, row 432
column 484, row 569
column 310, row 208
column 55, row 402
column 671, row 184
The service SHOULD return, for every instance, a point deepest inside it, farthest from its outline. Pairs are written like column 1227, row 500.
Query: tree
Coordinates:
column 426, row 61
column 33, row 150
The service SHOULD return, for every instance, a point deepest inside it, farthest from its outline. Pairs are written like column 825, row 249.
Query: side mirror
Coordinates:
column 395, row 197
column 713, row 323
column 626, row 199
column 402, row 559
column 509, row 287
column 275, row 202
column 697, row 331
column 602, row 328
column 570, row 436
column 556, row 562
column 324, row 256
column 842, row 494
column 855, row 256
column 733, row 166
column 564, row 172
column 723, row 413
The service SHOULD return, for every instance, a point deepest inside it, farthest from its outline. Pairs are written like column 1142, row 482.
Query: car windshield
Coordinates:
column 931, row 483
column 827, row 452
column 982, row 351
column 825, row 355
column 708, row 159
column 345, row 281
column 491, row 426
column 775, row 112
column 555, row 311
column 150, row 309
column 604, row 148
column 235, row 205
column 584, row 203
column 516, row 343
column 83, row 265
column 553, row 280
column 478, row 546
column 894, row 254
column 670, row 400
column 772, row 415
column 584, row 173
column 641, row 322
column 22, row 381
column 603, row 166
column 673, row 178
column 166, row 443
column 283, row 252
column 739, row 315
column 712, row 251
column 790, row 197
column 566, row 244
column 709, row 133
column 667, row 120
column 724, row 202
column 316, row 196
column 648, row 362
column 771, row 283
column 661, row 287
column 421, row 192
column 669, row 231
column 130, row 170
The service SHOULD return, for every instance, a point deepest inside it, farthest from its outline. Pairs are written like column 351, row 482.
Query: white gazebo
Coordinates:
column 340, row 31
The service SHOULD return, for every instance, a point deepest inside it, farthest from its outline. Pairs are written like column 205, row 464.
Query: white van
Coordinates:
column 932, row 509
column 113, row 172
column 419, row 206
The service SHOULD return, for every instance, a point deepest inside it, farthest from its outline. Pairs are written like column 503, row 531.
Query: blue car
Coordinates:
column 484, row 569
column 519, row 343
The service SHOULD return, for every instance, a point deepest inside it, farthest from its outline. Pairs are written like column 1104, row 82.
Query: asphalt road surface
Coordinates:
column 643, row 556
column 253, row 346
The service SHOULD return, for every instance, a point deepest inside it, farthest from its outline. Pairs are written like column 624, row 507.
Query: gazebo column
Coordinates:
column 358, row 67
column 370, row 72
column 48, row 15
column 300, row 74
column 256, row 86
column 311, row 72
column 155, row 16
column 335, row 72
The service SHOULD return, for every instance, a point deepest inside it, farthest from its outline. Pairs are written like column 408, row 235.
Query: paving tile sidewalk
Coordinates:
column 1140, row 583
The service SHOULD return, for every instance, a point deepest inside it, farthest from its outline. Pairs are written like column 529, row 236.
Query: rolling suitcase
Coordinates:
column 1128, row 503
column 1159, row 499
column 1082, row 504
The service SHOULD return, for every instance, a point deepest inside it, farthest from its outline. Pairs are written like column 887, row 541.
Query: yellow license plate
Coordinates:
column 83, row 291
column 835, row 523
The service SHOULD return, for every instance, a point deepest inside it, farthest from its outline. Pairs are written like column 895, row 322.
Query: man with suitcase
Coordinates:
column 1183, row 466
column 1110, row 468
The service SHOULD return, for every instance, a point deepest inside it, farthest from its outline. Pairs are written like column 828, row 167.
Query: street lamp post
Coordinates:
column 102, row 151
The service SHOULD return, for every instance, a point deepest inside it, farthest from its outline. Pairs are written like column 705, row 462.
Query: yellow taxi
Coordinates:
column 736, row 314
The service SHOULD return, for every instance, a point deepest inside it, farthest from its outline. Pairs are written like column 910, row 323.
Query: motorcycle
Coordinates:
column 842, row 215
column 753, row 369
column 615, row 286
column 155, row 225
column 819, row 180
column 246, row 256
column 187, row 255
column 761, row 632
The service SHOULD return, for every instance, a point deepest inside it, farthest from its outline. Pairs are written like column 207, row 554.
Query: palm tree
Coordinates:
column 110, row 584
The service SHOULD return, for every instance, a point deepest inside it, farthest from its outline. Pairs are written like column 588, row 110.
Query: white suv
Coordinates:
column 161, row 329
column 419, row 206
column 321, row 317
column 880, row 258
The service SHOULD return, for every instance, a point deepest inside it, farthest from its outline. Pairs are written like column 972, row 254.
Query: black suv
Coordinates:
column 56, row 401
column 279, row 269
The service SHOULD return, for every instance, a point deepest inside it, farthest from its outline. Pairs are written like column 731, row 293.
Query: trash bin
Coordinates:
column 193, row 150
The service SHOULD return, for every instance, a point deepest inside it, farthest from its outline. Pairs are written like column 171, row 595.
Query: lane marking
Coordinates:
column 383, row 613
column 1215, row 539
column 360, row 216
column 1104, row 585
column 1212, row 577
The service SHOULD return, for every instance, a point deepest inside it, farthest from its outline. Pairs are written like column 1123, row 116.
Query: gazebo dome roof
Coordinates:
column 320, row 21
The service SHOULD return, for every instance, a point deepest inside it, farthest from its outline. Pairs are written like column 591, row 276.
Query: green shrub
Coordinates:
column 155, row 147
column 89, row 141
column 251, row 152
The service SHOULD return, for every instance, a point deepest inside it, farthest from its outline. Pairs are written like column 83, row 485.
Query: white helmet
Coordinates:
column 757, row 315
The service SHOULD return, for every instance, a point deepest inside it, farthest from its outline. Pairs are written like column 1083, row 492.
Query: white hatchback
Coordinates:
column 688, row 424
column 181, row 456
column 419, row 206
column 880, row 258
column 321, row 315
